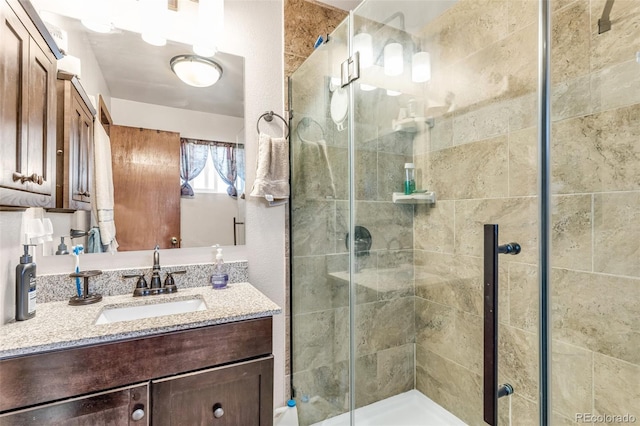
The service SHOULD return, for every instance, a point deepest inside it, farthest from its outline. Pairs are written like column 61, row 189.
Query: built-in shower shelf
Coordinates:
column 411, row 124
column 416, row 198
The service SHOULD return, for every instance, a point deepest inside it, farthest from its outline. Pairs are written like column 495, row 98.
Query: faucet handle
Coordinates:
column 169, row 282
column 141, row 286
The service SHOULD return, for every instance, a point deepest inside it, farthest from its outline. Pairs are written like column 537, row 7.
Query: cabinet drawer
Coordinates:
column 238, row 394
column 121, row 407
column 40, row 378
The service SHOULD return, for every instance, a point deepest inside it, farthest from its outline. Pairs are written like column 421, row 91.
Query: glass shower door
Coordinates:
column 451, row 88
column 319, row 258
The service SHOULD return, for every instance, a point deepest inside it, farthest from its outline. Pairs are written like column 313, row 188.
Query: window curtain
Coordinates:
column 193, row 158
column 226, row 163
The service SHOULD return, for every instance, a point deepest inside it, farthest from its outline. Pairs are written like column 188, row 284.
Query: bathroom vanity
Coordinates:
column 207, row 367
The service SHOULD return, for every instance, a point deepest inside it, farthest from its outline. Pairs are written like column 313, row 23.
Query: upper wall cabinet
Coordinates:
column 74, row 153
column 27, row 109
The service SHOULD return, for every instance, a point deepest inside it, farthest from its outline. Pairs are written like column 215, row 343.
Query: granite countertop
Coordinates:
column 57, row 325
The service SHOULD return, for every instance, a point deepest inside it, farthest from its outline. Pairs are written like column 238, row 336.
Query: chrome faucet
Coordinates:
column 156, row 283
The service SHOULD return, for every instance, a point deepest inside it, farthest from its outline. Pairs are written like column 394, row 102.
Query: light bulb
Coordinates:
column 421, row 67
column 367, row 87
column 362, row 43
column 393, row 59
column 154, row 15
column 393, row 93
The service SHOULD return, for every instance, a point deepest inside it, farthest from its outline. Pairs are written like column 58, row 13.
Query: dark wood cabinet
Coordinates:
column 74, row 153
column 121, row 407
column 190, row 374
column 27, row 111
column 238, row 394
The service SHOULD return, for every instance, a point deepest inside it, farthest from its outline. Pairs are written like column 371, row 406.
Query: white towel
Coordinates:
column 312, row 171
column 103, row 188
column 272, row 175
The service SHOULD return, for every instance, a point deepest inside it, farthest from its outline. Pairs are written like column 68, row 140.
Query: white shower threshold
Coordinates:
column 410, row 408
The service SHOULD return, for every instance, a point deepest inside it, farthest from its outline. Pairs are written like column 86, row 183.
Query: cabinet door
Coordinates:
column 41, row 119
column 14, row 59
column 83, row 147
column 120, row 407
column 239, row 394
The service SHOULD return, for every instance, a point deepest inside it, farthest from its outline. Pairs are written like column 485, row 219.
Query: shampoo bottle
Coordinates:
column 25, row 287
column 219, row 279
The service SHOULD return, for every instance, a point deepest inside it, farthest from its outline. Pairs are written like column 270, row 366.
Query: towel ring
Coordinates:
column 268, row 117
column 306, row 122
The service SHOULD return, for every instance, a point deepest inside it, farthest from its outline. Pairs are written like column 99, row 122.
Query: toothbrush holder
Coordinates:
column 86, row 298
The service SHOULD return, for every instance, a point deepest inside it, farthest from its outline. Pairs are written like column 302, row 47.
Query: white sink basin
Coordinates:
column 128, row 313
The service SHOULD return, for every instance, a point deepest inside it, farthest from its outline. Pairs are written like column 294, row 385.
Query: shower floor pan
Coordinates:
column 406, row 409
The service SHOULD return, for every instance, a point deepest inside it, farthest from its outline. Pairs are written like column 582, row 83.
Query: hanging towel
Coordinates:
column 103, row 188
column 94, row 244
column 312, row 171
column 272, row 175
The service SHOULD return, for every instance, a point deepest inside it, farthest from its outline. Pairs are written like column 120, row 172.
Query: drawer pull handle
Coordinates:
column 137, row 415
column 35, row 178
column 218, row 411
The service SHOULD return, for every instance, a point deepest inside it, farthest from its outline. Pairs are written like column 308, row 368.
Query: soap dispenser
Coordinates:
column 219, row 279
column 26, row 286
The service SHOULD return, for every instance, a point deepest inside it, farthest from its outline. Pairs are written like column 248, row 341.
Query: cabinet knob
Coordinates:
column 137, row 415
column 218, row 411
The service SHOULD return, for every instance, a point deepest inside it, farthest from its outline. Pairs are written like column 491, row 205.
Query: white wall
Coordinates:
column 190, row 124
column 253, row 29
column 207, row 219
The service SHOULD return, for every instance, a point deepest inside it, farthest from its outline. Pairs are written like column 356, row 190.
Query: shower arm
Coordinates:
column 604, row 23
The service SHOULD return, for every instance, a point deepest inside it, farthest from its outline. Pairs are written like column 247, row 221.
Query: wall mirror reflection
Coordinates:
column 177, row 149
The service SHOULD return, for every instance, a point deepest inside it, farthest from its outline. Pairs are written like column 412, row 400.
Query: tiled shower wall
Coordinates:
column 304, row 21
column 481, row 160
column 384, row 314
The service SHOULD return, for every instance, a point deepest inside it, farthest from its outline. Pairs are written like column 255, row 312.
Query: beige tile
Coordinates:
column 617, row 233
column 391, row 174
column 390, row 225
column 312, row 291
column 453, row 387
column 516, row 410
column 441, row 135
column 383, row 325
column 481, row 123
column 450, row 333
column 366, row 175
column 313, row 340
column 570, row 38
column 503, row 70
column 475, row 170
column 582, row 301
column 485, row 22
column 572, row 388
column 517, row 219
column 434, row 226
column 366, row 378
column 330, row 384
column 523, row 111
column 518, row 360
column 291, row 63
column 315, row 224
column 615, row 386
column 571, row 98
column 522, row 13
column 523, row 162
column 523, row 296
column 396, row 371
column 615, row 86
column 395, row 274
column 560, row 420
column 571, row 229
column 620, row 43
column 597, row 153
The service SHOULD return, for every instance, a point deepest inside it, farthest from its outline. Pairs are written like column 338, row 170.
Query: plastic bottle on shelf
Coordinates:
column 410, row 178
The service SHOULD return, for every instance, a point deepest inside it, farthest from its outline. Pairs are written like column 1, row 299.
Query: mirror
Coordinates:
column 140, row 91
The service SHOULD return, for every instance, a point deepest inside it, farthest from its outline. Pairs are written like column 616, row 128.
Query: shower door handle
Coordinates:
column 491, row 390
